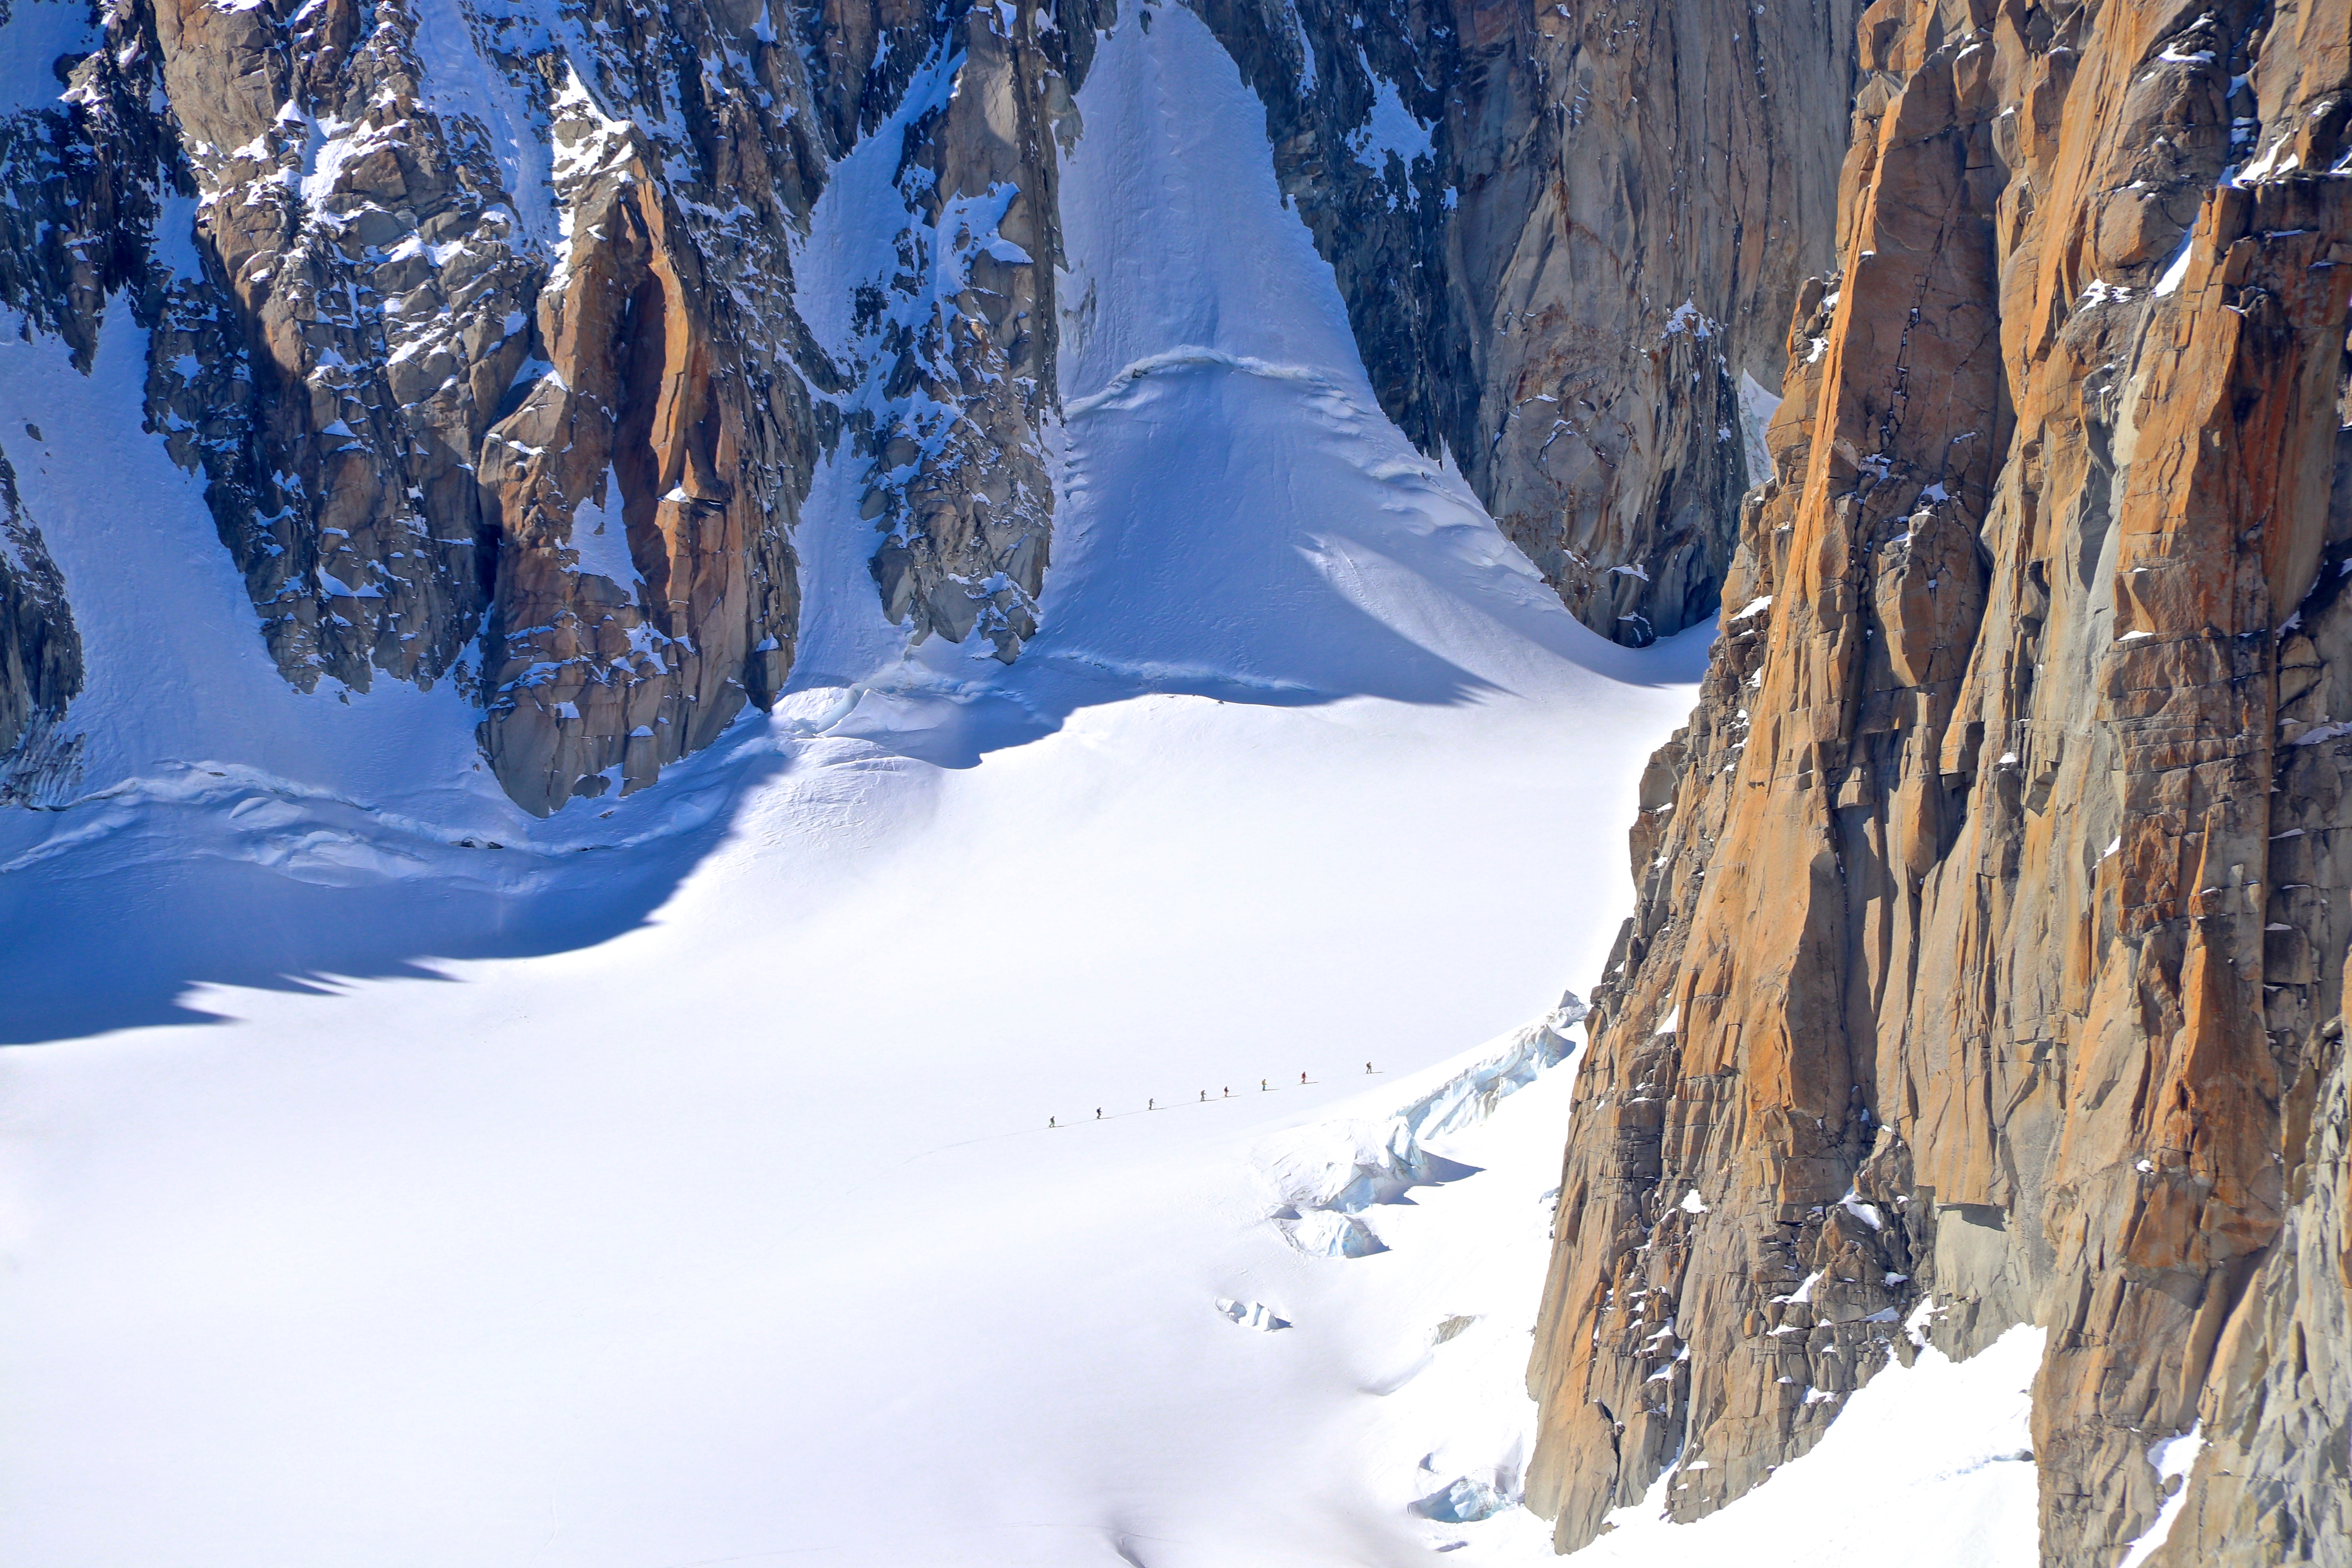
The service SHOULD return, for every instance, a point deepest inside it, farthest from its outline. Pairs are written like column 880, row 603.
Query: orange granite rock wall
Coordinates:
column 1992, row 921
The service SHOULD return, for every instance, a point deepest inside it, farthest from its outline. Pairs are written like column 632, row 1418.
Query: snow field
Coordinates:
column 670, row 1185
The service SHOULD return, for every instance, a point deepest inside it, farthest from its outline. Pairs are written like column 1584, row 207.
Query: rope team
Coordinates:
column 1054, row 1123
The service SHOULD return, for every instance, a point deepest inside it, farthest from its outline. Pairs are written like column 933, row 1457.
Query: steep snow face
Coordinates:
column 177, row 678
column 1161, row 258
column 1240, row 505
column 675, row 1184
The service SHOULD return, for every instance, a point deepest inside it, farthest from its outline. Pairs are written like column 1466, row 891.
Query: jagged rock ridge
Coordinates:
column 478, row 319
column 1989, row 959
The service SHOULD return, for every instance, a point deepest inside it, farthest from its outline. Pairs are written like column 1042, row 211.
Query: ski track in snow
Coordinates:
column 668, row 1185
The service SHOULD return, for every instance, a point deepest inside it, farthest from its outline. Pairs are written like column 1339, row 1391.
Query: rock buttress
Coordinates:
column 409, row 227
column 626, row 621
column 1991, row 919
column 370, row 291
column 965, row 337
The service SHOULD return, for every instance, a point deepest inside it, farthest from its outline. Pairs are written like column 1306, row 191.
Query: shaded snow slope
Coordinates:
column 1238, row 523
column 672, row 1184
column 33, row 36
column 176, row 670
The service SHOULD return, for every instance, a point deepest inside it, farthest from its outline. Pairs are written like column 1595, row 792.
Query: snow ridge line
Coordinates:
column 1323, row 1176
column 1158, row 669
column 1193, row 356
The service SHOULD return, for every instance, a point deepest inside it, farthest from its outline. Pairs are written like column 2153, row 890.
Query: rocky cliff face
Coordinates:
column 482, row 321
column 958, row 348
column 479, row 322
column 1990, row 954
column 496, row 303
column 1569, row 237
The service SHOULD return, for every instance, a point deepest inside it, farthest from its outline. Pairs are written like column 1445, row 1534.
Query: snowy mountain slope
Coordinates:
column 671, row 1184
column 740, row 1230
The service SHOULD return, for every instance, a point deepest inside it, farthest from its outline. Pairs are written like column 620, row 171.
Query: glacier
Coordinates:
column 392, row 1177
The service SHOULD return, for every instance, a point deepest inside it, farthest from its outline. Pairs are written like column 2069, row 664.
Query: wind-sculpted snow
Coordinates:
column 1191, row 358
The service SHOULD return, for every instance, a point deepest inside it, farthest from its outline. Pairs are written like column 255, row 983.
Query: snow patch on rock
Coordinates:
column 2172, row 1459
column 600, row 537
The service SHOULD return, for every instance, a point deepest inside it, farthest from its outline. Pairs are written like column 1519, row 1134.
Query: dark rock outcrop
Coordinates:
column 1990, row 954
column 40, row 655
